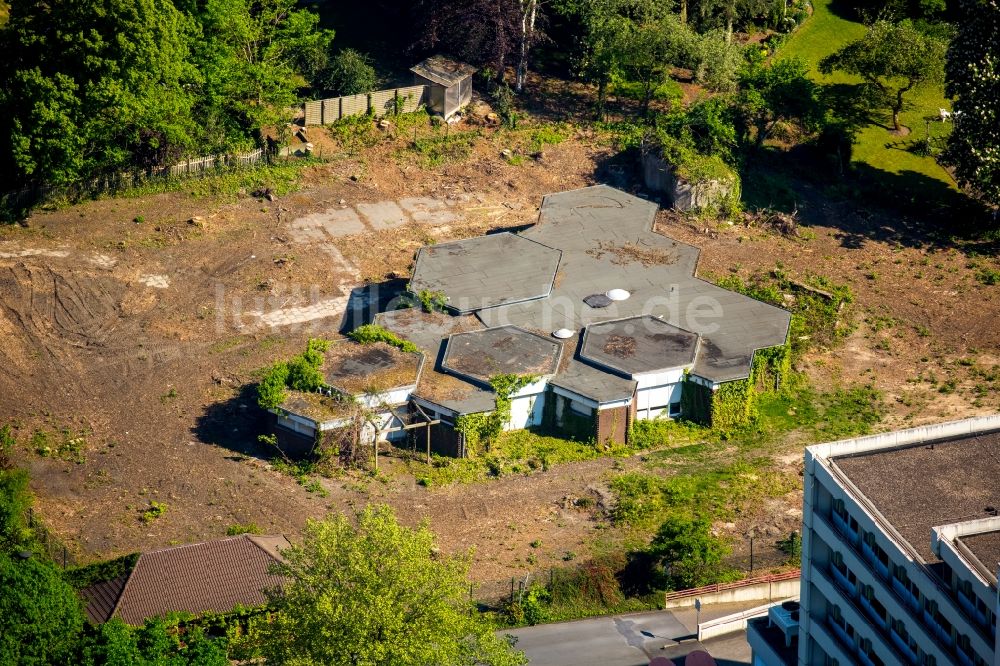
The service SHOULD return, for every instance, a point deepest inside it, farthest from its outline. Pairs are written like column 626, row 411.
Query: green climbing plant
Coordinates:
column 485, row 427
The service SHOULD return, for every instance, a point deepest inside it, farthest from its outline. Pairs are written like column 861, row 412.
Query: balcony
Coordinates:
column 905, row 594
column 870, row 563
column 939, row 632
column 844, row 529
column 843, row 581
column 903, row 646
column 873, row 615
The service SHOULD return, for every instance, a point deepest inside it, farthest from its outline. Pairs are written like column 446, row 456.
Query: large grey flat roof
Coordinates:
column 929, row 484
column 593, row 383
column 638, row 344
column 486, row 271
column 480, row 355
column 608, row 242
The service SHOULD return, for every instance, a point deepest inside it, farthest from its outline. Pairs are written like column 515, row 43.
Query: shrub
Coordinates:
column 349, row 73
column 690, row 554
column 41, row 618
column 531, row 607
column 370, row 333
column 248, row 528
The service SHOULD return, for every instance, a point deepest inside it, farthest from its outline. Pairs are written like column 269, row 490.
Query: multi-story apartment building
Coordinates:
column 901, row 551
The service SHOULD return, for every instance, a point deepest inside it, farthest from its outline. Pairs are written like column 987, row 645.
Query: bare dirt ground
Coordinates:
column 131, row 344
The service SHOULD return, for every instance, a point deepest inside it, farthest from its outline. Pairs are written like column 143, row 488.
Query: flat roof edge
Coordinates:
column 909, row 437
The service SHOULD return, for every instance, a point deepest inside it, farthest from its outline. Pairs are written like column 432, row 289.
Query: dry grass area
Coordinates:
column 126, row 325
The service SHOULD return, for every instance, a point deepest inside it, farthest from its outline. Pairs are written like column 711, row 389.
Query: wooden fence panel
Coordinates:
column 380, row 102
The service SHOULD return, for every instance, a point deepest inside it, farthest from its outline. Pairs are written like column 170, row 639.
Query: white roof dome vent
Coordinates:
column 617, row 294
column 563, row 333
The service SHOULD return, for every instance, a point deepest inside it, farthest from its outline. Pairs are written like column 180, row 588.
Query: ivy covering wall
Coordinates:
column 734, row 405
column 483, row 428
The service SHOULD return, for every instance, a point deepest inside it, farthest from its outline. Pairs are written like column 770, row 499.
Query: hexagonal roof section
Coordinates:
column 479, row 355
column 486, row 271
column 638, row 345
column 377, row 367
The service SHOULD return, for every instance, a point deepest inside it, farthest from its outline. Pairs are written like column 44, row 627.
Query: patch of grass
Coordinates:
column 988, row 276
column 154, row 511
column 644, row 500
column 444, row 148
column 247, row 528
column 281, row 178
column 824, row 33
column 516, row 452
column 63, row 445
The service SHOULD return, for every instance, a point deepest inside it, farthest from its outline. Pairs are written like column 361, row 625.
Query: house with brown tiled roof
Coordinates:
column 209, row 577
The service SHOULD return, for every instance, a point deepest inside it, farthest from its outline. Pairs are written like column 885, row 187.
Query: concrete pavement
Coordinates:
column 617, row 640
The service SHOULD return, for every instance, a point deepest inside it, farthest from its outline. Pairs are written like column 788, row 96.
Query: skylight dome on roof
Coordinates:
column 563, row 333
column 617, row 294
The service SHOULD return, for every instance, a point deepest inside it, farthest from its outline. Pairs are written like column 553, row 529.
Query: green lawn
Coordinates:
column 825, row 32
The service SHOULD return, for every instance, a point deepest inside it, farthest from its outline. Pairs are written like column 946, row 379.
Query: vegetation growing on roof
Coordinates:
column 371, row 333
column 300, row 373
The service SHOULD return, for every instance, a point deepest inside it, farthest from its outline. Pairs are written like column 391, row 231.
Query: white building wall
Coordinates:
column 825, row 535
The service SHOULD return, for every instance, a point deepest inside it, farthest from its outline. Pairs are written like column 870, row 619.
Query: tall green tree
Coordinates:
column 94, row 85
column 690, row 554
column 773, row 93
column 253, row 56
column 973, row 80
column 377, row 593
column 41, row 620
column 893, row 59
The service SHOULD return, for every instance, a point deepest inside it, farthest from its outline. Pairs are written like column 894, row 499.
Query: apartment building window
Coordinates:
column 865, row 645
column 928, row 660
column 868, row 593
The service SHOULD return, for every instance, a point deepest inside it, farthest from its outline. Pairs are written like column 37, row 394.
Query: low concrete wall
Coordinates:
column 729, row 624
column 764, row 591
column 659, row 176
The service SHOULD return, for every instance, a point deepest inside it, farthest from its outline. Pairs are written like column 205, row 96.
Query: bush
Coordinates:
column 15, row 499
column 41, row 618
column 349, row 73
column 718, row 62
column 690, row 554
column 531, row 607
column 370, row 333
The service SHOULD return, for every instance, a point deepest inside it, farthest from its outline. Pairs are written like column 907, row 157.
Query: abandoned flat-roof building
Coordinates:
column 449, row 84
column 900, row 549
column 604, row 315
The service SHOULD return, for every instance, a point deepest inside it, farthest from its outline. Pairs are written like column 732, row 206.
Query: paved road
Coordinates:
column 617, row 641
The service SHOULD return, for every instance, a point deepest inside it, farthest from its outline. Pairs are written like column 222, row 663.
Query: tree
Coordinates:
column 349, row 73
column 779, row 92
column 81, row 99
column 893, row 59
column 973, row 80
column 690, row 554
column 377, row 593
column 153, row 644
column 484, row 32
column 41, row 619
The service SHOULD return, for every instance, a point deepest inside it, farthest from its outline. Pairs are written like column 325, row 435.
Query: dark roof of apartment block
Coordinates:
column 480, row 355
column 638, row 345
column 986, row 548
column 487, row 271
column 929, row 484
column 214, row 576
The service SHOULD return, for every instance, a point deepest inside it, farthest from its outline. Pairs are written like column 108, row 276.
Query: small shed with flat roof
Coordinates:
column 449, row 81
